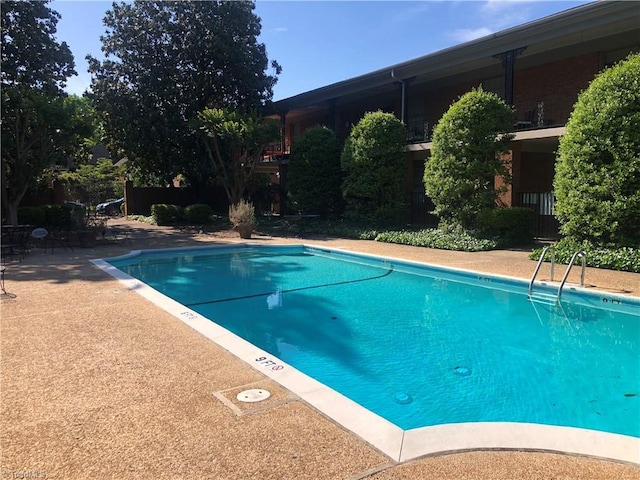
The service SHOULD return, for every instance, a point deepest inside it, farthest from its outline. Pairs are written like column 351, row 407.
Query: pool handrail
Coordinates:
column 583, row 255
column 540, row 261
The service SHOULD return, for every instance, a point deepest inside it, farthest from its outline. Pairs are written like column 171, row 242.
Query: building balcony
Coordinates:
column 275, row 150
column 418, row 130
column 543, row 113
column 548, row 112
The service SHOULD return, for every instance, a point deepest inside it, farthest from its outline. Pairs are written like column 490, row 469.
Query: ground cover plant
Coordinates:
column 447, row 239
column 459, row 240
column 625, row 259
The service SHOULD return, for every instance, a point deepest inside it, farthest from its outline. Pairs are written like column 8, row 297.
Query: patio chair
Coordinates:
column 15, row 241
column 39, row 235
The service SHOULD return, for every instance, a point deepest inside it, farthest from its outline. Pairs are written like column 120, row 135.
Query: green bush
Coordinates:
column 31, row 216
column 198, row 214
column 597, row 180
column 625, row 259
column 373, row 161
column 165, row 214
column 59, row 217
column 455, row 239
column 467, row 155
column 314, row 177
column 512, row 226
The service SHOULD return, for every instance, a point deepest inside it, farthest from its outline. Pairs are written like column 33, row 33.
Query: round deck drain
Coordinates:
column 253, row 395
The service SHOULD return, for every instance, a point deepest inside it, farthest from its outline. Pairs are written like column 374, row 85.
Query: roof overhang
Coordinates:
column 577, row 25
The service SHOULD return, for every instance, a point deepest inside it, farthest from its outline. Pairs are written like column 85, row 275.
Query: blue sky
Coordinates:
column 323, row 42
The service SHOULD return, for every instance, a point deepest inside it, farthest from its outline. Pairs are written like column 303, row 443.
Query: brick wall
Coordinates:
column 545, row 95
column 563, row 77
column 437, row 102
column 536, row 172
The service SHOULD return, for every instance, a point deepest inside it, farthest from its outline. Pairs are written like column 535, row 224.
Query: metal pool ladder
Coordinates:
column 548, row 248
column 580, row 253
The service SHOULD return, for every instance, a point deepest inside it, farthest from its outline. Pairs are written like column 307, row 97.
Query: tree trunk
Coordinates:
column 12, row 212
column 11, row 204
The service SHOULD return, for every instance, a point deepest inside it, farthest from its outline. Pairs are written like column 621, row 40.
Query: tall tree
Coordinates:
column 167, row 61
column 34, row 71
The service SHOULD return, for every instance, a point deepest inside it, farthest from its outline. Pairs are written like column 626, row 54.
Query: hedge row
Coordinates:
column 196, row 214
column 54, row 217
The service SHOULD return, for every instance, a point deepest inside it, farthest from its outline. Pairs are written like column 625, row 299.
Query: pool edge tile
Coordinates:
column 519, row 436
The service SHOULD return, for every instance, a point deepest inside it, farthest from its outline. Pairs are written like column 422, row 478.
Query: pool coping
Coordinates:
column 398, row 444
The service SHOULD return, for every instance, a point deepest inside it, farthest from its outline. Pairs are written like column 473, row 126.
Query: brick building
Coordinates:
column 539, row 68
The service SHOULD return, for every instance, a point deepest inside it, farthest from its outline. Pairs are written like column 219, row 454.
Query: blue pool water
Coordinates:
column 417, row 345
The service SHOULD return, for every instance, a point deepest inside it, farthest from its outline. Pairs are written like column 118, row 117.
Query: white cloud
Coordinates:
column 468, row 34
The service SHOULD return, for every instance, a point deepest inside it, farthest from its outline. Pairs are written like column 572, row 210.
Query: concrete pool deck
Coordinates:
column 98, row 382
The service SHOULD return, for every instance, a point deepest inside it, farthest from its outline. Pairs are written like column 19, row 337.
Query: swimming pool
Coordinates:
column 419, row 346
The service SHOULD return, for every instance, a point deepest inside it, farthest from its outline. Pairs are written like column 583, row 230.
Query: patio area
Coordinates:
column 96, row 382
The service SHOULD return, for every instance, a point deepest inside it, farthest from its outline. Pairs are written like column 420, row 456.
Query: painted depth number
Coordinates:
column 269, row 364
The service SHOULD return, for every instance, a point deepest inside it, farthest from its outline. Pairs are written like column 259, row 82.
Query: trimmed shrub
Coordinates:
column 198, row 213
column 597, row 181
column 165, row 214
column 59, row 217
column 467, row 152
column 314, row 177
column 373, row 161
column 31, row 216
column 512, row 226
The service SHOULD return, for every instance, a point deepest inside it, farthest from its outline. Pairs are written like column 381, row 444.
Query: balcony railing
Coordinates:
column 418, row 131
column 275, row 148
column 543, row 113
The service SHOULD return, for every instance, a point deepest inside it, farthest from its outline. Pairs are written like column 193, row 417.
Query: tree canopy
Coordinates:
column 167, row 61
column 467, row 152
column 31, row 57
column 597, row 180
column 37, row 124
column 372, row 160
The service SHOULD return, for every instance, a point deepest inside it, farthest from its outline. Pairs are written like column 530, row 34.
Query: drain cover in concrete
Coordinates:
column 253, row 395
